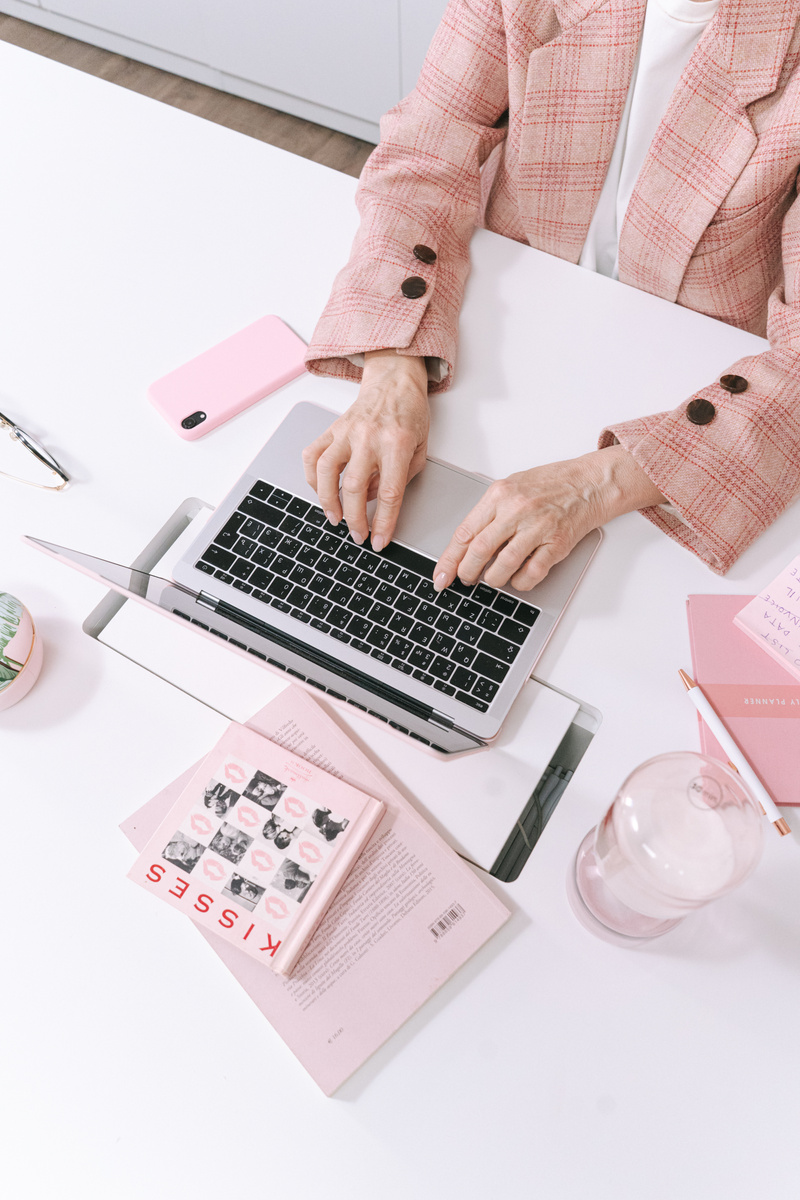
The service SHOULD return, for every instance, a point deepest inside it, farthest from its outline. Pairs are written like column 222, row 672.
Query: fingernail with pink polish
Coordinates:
column 331, row 518
column 440, row 582
column 358, row 538
column 378, row 543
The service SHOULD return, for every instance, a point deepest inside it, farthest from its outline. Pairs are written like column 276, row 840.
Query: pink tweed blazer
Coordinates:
column 713, row 224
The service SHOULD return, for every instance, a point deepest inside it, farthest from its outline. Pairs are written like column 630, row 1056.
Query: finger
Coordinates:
column 448, row 565
column 534, row 570
column 355, row 487
column 391, row 486
column 330, row 465
column 511, row 558
column 311, row 456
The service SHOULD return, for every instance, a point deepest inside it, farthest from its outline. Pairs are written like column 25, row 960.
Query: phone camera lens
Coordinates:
column 196, row 418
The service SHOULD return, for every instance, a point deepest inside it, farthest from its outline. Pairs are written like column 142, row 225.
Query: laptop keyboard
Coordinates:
column 283, row 551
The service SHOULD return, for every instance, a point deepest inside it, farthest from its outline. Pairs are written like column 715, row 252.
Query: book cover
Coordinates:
column 772, row 618
column 409, row 915
column 750, row 692
column 256, row 846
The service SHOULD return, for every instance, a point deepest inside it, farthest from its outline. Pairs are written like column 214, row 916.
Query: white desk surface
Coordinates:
column 553, row 1065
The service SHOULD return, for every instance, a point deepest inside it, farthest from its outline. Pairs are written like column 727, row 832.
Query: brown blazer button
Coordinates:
column 734, row 383
column 425, row 254
column 413, row 287
column 700, row 411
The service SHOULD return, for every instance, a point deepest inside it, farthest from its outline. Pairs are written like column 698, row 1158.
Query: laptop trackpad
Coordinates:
column 434, row 504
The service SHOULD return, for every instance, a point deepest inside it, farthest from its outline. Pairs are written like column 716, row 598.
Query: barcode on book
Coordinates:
column 447, row 920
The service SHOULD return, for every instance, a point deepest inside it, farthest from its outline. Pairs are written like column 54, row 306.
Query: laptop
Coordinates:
column 270, row 575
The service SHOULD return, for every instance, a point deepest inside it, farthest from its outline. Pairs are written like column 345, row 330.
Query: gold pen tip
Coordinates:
column 688, row 682
column 781, row 827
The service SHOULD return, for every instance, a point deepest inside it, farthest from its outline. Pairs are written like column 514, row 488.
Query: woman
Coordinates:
column 663, row 151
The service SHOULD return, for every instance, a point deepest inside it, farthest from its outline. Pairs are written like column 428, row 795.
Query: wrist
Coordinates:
column 623, row 485
column 390, row 364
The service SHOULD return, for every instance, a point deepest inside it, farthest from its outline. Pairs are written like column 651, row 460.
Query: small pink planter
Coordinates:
column 21, row 653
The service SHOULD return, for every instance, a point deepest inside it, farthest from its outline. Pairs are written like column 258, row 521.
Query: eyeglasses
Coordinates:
column 39, row 453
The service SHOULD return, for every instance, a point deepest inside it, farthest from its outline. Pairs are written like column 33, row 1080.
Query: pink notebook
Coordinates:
column 752, row 694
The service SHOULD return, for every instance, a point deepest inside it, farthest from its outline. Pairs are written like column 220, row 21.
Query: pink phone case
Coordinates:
column 221, row 382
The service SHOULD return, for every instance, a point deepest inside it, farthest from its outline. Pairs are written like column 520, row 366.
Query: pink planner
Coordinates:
column 758, row 702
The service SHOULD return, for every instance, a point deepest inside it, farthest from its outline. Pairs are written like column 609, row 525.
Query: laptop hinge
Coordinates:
column 440, row 719
column 207, row 601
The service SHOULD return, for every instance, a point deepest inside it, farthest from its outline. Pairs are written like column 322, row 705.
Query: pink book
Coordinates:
column 257, row 845
column 408, row 916
column 772, row 618
column 750, row 692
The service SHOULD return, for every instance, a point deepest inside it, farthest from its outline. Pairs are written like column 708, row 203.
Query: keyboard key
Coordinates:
column 504, row 604
column 348, row 552
column 229, row 534
column 263, row 556
column 299, row 614
column 347, row 574
column 315, row 516
column 251, row 529
column 387, row 571
column 421, row 634
column 483, row 593
column 469, row 633
column 427, row 613
column 448, row 600
column 463, row 654
column 407, row 604
column 301, row 574
column 321, row 585
column 340, row 635
column 359, row 604
column 308, row 556
column 339, row 617
column 340, row 594
column 270, row 537
column 242, row 568
column 400, row 623
column 320, row 625
column 499, row 647
column 358, row 628
column 463, row 589
column 515, row 631
column 299, row 597
column 217, row 557
column 441, row 668
column 241, row 586
column 484, row 689
column 447, row 688
column 310, row 535
column 267, row 513
column 261, row 579
column 367, row 584
column 490, row 619
column 368, row 561
column 407, row 580
column 469, row 610
column 381, row 656
column 441, row 644
column 223, row 576
column 261, row 490
column 205, row 567
column 473, row 701
column 399, row 665
column 281, row 565
column 319, row 607
column 280, row 498
column 387, row 594
column 526, row 613
column 279, row 588
column 262, row 596
column 425, row 590
column 327, row 564
column 400, row 647
column 298, row 507
column 281, row 605
column 490, row 667
column 291, row 525
column 379, row 638
column 420, row 658
column 381, row 614
column 448, row 622
column 290, row 547
column 424, row 677
column 328, row 544
column 464, row 679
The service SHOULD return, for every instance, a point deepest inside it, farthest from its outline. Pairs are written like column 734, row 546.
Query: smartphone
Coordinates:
column 210, row 389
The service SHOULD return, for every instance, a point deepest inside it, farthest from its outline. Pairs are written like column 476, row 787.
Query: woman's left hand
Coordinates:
column 528, row 522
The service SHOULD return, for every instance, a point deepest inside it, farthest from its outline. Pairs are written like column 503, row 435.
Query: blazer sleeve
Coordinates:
column 730, row 478
column 421, row 187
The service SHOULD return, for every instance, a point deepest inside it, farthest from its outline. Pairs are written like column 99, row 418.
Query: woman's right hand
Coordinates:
column 375, row 448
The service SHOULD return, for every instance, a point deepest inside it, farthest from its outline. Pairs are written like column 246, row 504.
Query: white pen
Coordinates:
column 735, row 755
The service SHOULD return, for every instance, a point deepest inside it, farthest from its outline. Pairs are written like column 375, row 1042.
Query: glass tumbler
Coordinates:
column 683, row 830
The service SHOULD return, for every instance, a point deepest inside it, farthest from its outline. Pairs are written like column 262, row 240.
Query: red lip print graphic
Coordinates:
column 201, row 824
column 276, row 908
column 310, row 852
column 261, row 860
column 246, row 816
column 295, row 807
column 234, row 771
column 213, row 870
